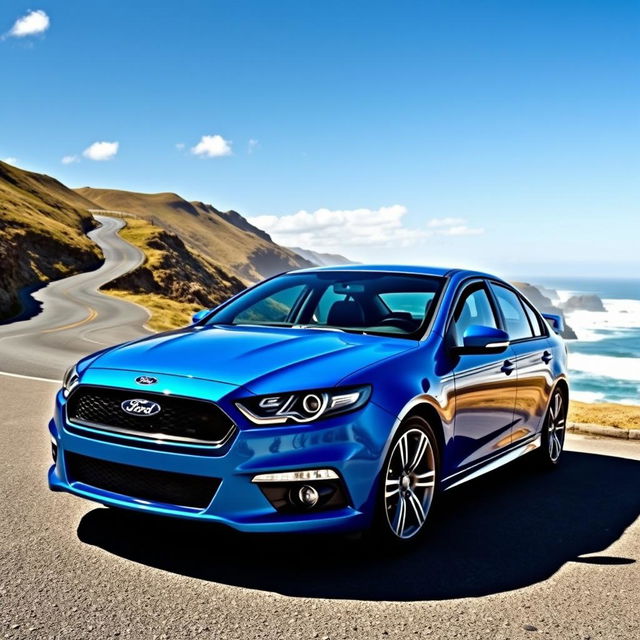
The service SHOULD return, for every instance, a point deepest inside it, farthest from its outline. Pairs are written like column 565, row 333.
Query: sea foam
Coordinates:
column 620, row 317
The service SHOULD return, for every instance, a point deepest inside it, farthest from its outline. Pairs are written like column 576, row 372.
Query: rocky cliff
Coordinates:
column 42, row 234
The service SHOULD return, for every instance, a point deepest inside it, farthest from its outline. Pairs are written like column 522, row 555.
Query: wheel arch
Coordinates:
column 427, row 411
column 563, row 386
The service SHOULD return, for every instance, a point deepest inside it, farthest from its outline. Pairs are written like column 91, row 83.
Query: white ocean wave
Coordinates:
column 634, row 400
column 620, row 317
column 587, row 396
column 627, row 369
column 565, row 294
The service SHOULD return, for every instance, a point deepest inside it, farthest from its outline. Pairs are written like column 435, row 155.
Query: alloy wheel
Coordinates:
column 410, row 483
column 556, row 426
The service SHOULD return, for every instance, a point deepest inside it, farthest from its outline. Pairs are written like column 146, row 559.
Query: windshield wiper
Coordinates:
column 314, row 326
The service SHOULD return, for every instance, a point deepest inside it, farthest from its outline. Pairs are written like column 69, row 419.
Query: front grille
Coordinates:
column 167, row 487
column 183, row 420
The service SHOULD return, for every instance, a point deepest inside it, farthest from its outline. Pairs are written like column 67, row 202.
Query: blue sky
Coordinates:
column 498, row 135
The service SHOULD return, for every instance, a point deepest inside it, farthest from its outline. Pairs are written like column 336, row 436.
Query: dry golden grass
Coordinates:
column 170, row 305
column 166, row 314
column 139, row 233
column 608, row 414
column 35, row 203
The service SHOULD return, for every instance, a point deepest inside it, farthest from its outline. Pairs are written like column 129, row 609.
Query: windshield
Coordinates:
column 392, row 304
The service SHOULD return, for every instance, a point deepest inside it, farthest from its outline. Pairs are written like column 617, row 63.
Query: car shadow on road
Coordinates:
column 507, row 530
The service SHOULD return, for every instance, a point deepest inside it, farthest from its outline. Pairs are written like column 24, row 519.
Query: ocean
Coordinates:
column 604, row 361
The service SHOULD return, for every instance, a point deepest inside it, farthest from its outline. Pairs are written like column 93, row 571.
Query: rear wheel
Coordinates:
column 409, row 482
column 553, row 432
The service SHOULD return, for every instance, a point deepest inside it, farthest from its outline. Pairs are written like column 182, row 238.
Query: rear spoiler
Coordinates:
column 555, row 321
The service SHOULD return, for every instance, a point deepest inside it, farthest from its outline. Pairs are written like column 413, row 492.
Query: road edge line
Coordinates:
column 19, row 375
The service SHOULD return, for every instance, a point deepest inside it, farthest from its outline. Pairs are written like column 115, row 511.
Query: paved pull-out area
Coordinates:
column 514, row 551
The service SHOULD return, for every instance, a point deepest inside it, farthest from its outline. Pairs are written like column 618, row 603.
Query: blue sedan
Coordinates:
column 333, row 399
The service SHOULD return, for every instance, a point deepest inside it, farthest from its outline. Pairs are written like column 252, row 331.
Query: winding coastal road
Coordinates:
column 515, row 555
column 76, row 319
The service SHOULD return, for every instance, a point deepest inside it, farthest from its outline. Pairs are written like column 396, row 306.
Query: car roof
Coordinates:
column 401, row 268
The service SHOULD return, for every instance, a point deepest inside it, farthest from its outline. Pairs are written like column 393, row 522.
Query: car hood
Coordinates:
column 262, row 359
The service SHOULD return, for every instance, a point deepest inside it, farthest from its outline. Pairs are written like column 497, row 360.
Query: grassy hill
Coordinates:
column 196, row 255
column 174, row 280
column 42, row 233
column 226, row 239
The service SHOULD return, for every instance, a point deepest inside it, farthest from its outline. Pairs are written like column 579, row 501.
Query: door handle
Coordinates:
column 546, row 357
column 507, row 367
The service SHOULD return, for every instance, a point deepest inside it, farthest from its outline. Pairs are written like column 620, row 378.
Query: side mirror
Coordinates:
column 199, row 315
column 478, row 339
column 555, row 322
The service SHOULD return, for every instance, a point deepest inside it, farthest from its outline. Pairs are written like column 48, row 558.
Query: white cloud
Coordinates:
column 70, row 159
column 444, row 222
column 101, row 151
column 461, row 230
column 341, row 229
column 12, row 161
column 180, row 146
column 212, row 147
column 30, row 24
column 453, row 227
column 331, row 229
column 252, row 145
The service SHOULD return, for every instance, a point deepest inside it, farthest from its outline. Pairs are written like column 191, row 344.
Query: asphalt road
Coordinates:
column 76, row 319
column 516, row 554
column 556, row 552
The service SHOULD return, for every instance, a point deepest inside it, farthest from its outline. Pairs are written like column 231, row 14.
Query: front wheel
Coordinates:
column 409, row 482
column 553, row 432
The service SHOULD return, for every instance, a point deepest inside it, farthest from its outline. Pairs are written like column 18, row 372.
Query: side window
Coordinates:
column 534, row 321
column 275, row 308
column 473, row 308
column 518, row 326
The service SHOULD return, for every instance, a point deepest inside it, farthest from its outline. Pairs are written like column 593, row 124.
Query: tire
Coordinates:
column 408, row 484
column 553, row 431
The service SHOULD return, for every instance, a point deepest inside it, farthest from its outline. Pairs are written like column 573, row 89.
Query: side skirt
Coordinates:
column 494, row 464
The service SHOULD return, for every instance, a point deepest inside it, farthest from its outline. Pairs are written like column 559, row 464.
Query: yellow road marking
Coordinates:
column 92, row 316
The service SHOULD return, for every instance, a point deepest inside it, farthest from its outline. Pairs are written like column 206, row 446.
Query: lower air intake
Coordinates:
column 178, row 489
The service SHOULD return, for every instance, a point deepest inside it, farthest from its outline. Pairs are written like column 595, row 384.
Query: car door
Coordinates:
column 532, row 356
column 485, row 384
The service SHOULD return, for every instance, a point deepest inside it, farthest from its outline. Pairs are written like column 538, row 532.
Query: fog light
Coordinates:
column 54, row 452
column 309, row 490
column 308, row 496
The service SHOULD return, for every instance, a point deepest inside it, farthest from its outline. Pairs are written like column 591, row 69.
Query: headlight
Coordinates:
column 70, row 380
column 303, row 406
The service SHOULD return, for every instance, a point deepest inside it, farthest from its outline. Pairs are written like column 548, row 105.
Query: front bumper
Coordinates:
column 353, row 445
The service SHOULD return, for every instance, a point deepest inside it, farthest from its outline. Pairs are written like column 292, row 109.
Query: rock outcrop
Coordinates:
column 590, row 302
column 544, row 305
